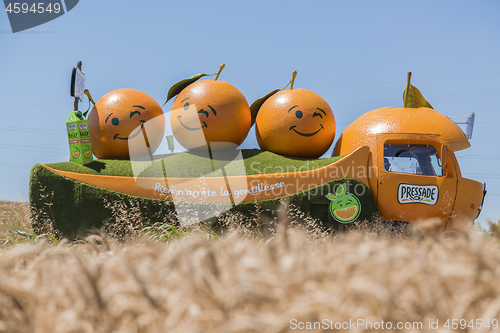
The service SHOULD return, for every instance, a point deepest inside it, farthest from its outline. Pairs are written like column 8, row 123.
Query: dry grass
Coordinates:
column 247, row 280
column 13, row 216
column 265, row 276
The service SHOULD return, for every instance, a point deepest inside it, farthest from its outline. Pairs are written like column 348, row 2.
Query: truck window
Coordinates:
column 412, row 159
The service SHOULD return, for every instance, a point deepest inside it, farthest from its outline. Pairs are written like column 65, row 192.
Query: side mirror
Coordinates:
column 444, row 158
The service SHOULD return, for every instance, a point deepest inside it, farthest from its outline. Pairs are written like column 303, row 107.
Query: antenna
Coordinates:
column 469, row 124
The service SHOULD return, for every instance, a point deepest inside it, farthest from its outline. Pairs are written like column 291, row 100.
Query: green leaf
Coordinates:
column 412, row 97
column 408, row 101
column 331, row 196
column 48, row 236
column 419, row 100
column 341, row 190
column 20, row 232
column 255, row 107
column 179, row 86
column 408, row 98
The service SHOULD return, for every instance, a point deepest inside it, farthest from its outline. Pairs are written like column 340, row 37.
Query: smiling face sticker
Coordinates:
column 186, row 105
column 210, row 113
column 299, row 115
column 297, row 123
column 115, row 121
column 344, row 207
column 122, row 117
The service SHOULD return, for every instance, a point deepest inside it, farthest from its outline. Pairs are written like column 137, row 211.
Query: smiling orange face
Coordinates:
column 297, row 123
column 121, row 119
column 210, row 113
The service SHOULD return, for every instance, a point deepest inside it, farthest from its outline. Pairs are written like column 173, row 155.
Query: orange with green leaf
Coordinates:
column 294, row 122
column 208, row 114
column 118, row 119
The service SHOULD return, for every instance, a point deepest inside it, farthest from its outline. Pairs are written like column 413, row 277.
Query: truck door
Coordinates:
column 412, row 184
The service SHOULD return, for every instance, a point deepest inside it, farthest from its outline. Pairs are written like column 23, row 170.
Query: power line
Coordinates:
column 487, row 110
column 377, row 102
column 29, row 148
column 482, row 176
column 323, row 87
column 399, row 81
column 486, row 157
column 458, row 77
column 430, row 97
column 487, row 122
column 33, row 157
column 33, row 105
column 12, row 165
column 31, row 130
column 461, row 94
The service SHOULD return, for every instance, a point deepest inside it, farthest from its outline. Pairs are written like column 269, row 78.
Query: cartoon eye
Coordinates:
column 213, row 110
column 319, row 114
column 299, row 114
column 203, row 111
column 134, row 112
column 115, row 121
column 186, row 106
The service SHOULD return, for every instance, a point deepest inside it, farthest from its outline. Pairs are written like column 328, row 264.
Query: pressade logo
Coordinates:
column 424, row 194
column 26, row 14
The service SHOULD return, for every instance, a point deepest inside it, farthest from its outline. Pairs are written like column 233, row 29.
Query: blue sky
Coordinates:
column 355, row 54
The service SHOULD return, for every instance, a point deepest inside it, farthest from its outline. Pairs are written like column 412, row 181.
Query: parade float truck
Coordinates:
column 394, row 164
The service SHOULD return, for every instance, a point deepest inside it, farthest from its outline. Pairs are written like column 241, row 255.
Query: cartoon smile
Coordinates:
column 191, row 128
column 344, row 207
column 292, row 128
column 131, row 136
column 187, row 106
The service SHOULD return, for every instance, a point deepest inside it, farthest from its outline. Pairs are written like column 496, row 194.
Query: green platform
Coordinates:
column 74, row 207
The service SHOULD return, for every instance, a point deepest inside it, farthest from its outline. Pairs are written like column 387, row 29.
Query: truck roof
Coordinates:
column 390, row 120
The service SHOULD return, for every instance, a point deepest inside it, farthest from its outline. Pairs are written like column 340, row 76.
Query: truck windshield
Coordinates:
column 412, row 159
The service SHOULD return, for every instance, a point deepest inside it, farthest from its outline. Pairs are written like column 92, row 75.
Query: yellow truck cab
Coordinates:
column 414, row 173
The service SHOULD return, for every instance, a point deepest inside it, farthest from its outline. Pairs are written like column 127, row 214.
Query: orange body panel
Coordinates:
column 374, row 124
column 468, row 201
column 249, row 188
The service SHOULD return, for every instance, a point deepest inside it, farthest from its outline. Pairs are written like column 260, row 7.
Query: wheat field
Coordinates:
column 295, row 278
